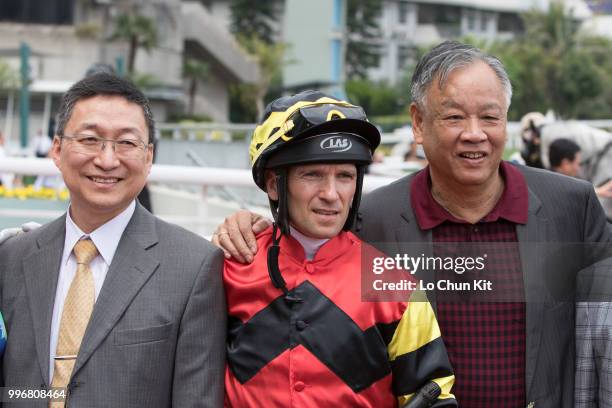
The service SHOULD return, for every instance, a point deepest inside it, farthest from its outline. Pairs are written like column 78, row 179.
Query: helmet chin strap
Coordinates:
column 352, row 215
column 274, row 271
column 280, row 211
column 279, row 207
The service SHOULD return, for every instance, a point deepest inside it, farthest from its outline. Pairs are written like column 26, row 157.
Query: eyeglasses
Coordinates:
column 123, row 147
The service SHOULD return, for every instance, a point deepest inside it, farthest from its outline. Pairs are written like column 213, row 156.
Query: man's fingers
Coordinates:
column 245, row 226
column 238, row 226
column 215, row 241
column 228, row 247
column 236, row 236
column 260, row 223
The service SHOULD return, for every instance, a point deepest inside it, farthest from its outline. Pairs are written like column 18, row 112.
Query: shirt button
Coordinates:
column 299, row 386
column 475, row 229
column 309, row 268
column 301, row 325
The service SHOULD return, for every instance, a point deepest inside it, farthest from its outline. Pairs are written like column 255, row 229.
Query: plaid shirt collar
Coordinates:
column 512, row 206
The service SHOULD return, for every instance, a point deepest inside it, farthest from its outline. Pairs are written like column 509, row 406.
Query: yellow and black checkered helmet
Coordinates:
column 311, row 127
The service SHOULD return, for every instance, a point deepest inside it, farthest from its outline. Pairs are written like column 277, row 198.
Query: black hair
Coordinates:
column 562, row 149
column 104, row 84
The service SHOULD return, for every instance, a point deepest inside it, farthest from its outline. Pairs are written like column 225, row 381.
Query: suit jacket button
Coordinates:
column 301, row 325
column 299, row 386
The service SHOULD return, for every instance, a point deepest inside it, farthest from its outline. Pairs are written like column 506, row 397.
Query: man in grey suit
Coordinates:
column 516, row 350
column 108, row 302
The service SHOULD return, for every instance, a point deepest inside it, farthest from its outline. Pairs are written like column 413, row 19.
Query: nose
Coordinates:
column 106, row 157
column 473, row 131
column 329, row 190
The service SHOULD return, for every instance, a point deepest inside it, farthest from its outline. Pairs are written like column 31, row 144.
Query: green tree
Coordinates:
column 194, row 70
column 553, row 65
column 270, row 59
column 376, row 98
column 254, row 24
column 255, row 19
column 9, row 78
column 138, row 30
column 554, row 68
column 363, row 30
column 600, row 106
column 144, row 80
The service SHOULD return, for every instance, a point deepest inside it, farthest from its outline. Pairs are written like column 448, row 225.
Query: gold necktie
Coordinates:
column 78, row 305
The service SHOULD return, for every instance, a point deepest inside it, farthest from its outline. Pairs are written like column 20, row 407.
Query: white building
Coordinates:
column 67, row 36
column 407, row 24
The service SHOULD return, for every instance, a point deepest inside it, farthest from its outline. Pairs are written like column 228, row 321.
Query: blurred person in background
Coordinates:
column 41, row 144
column 565, row 157
column 539, row 131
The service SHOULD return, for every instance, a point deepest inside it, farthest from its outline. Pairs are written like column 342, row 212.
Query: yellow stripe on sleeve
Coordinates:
column 417, row 327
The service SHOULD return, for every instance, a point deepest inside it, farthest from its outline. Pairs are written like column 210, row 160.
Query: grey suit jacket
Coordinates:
column 156, row 337
column 562, row 212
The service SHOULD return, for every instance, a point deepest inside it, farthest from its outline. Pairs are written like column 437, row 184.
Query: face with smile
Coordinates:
column 319, row 198
column 462, row 127
column 102, row 184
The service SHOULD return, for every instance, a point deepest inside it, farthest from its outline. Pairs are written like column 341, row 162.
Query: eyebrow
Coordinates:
column 96, row 127
column 453, row 104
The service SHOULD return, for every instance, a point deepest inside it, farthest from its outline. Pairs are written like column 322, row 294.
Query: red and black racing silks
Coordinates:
column 326, row 347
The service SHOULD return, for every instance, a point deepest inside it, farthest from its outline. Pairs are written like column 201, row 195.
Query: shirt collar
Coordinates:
column 512, row 205
column 310, row 245
column 106, row 237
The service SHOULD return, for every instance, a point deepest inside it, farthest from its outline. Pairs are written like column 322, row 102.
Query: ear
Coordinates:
column 417, row 122
column 56, row 150
column 149, row 156
column 565, row 164
column 271, row 187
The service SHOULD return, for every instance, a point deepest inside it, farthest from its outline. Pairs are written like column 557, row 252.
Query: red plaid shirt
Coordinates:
column 485, row 340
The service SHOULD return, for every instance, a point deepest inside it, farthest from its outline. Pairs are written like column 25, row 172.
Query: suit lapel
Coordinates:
column 413, row 241
column 41, row 271
column 130, row 269
column 408, row 234
column 530, row 236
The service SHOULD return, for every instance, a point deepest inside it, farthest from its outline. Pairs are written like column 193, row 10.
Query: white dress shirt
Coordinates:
column 106, row 239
